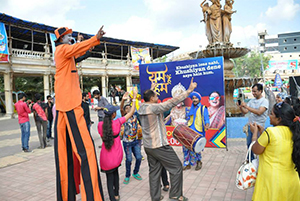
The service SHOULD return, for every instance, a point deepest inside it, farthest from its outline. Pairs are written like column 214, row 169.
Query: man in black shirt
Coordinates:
column 49, row 117
column 86, row 110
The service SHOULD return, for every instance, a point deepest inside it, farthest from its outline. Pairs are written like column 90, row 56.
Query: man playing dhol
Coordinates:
column 160, row 153
column 198, row 120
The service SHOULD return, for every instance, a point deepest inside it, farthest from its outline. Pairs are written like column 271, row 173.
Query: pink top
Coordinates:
column 39, row 110
column 112, row 158
column 23, row 111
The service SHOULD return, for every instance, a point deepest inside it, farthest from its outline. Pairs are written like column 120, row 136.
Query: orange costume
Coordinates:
column 71, row 133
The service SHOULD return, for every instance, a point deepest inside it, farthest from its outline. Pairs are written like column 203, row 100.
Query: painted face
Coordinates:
column 195, row 100
column 278, row 99
column 256, row 93
column 214, row 99
column 67, row 39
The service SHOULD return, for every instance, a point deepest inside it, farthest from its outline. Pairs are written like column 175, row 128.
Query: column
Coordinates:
column 8, row 95
column 46, row 87
column 104, row 86
column 128, row 81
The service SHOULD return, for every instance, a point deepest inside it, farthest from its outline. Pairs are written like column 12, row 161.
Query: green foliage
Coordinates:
column 161, row 59
column 29, row 85
column 250, row 65
column 1, row 84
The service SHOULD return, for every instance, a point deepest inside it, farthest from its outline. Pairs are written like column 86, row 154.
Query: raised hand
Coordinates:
column 135, row 92
column 125, row 96
column 192, row 86
column 100, row 33
column 79, row 37
column 153, row 85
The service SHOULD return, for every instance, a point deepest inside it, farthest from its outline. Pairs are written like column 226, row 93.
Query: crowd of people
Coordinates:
column 278, row 147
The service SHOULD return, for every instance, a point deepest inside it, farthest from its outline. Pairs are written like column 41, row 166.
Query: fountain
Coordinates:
column 218, row 30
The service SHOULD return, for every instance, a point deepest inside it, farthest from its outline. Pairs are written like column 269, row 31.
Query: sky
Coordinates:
column 168, row 22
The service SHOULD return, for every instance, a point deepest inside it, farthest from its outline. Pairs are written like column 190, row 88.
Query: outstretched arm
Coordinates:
column 132, row 110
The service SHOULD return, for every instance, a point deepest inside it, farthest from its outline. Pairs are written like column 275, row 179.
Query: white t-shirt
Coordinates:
column 256, row 104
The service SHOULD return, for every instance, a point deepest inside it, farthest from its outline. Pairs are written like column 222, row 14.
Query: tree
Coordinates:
column 161, row 59
column 250, row 65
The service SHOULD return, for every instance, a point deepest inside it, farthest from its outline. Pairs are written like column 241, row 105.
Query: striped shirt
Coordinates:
column 152, row 121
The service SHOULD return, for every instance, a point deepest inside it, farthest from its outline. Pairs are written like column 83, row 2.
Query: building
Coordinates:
column 30, row 54
column 283, row 49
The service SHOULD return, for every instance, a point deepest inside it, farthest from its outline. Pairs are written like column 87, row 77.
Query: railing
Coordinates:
column 19, row 53
column 30, row 54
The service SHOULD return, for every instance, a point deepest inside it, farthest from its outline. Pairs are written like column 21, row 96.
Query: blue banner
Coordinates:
column 277, row 81
column 52, row 38
column 175, row 77
column 3, row 44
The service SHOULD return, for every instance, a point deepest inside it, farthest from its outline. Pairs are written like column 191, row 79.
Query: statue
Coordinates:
column 215, row 21
column 206, row 12
column 226, row 17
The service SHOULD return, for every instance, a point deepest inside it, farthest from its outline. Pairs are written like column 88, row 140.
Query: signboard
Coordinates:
column 209, row 75
column 3, row 44
column 140, row 56
column 283, row 65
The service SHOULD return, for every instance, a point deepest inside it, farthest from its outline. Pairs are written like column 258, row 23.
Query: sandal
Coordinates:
column 166, row 188
column 137, row 176
column 126, row 180
column 180, row 198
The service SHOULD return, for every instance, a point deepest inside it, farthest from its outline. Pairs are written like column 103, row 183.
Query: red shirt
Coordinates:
column 39, row 110
column 23, row 111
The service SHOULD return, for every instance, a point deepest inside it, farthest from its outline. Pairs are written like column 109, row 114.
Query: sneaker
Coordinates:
column 48, row 145
column 27, row 151
column 48, row 139
column 126, row 180
column 199, row 165
column 137, row 176
column 187, row 167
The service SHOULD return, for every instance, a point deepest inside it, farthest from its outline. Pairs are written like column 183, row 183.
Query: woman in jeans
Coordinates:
column 111, row 154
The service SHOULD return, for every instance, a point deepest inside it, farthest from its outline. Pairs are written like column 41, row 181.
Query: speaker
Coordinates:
column 293, row 89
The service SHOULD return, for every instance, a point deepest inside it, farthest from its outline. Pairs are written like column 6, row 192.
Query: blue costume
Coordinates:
column 197, row 118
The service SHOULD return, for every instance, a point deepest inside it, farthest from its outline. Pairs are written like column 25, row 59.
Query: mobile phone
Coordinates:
column 239, row 102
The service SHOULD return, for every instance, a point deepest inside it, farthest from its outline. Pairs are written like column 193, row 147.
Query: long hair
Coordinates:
column 287, row 115
column 107, row 138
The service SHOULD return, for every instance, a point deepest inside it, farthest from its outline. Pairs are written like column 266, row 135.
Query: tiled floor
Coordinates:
column 34, row 177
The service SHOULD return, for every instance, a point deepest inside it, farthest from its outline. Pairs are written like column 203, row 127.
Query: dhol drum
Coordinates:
column 189, row 138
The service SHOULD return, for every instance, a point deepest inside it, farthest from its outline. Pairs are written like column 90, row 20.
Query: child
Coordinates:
column 131, row 142
column 111, row 154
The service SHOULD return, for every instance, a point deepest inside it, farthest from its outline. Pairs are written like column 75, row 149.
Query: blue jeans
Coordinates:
column 49, row 128
column 25, row 130
column 135, row 148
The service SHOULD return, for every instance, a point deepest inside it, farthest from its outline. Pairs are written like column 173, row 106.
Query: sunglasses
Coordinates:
column 212, row 98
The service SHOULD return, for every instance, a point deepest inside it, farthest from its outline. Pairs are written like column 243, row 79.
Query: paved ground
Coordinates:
column 31, row 176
